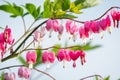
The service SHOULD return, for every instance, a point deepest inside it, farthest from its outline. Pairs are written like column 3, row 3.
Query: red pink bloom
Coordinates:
column 9, row 76
column 31, row 57
column 48, row 57
column 24, row 72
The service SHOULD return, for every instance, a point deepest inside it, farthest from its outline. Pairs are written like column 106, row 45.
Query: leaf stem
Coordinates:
column 24, row 24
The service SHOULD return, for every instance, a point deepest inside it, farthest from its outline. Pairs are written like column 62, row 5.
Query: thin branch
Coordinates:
column 44, row 73
column 31, row 25
column 94, row 19
column 52, row 47
column 92, row 76
column 10, row 67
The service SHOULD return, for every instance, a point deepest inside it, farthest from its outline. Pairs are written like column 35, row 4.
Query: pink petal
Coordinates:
column 31, row 57
column 51, row 57
column 61, row 55
column 45, row 57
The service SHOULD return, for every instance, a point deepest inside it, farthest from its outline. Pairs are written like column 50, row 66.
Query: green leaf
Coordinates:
column 12, row 9
column 31, row 8
column 39, row 57
column 68, row 16
column 1, row 28
column 22, row 60
column 47, row 9
column 107, row 78
column 86, row 47
column 18, row 10
column 6, row 8
column 60, row 12
column 79, row 1
column 2, row 76
column 74, row 8
column 90, row 3
column 57, row 4
column 38, row 9
column 96, row 78
column 56, row 49
column 65, row 5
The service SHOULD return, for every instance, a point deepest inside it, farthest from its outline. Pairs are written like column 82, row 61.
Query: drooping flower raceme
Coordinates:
column 60, row 31
column 31, row 57
column 24, row 72
column 63, row 55
column 82, row 57
column 5, row 39
column 116, row 17
column 71, row 29
column 48, row 57
column 9, row 76
column 52, row 25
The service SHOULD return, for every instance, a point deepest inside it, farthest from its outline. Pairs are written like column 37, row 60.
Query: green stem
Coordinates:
column 24, row 24
column 13, row 54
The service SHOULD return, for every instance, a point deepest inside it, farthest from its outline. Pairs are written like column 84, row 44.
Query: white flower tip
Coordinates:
column 63, row 63
column 109, row 30
column 101, row 34
column 31, row 65
column 48, row 66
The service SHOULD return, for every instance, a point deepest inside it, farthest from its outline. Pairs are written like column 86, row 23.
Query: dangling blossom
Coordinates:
column 68, row 25
column 60, row 31
column 72, row 29
column 63, row 55
column 39, row 34
column 82, row 57
column 87, row 26
column 5, row 39
column 52, row 25
column 24, row 72
column 83, row 34
column 108, row 23
column 8, row 36
column 116, row 17
column 48, row 57
column 31, row 57
column 9, row 76
column 74, row 55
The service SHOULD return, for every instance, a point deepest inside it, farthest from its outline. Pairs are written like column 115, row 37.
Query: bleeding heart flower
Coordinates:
column 31, row 58
column 55, row 25
column 63, row 55
column 60, row 31
column 116, row 17
column 9, row 76
column 68, row 23
column 108, row 23
column 74, row 56
column 48, row 57
column 83, row 34
column 82, row 57
column 39, row 34
column 24, row 72
column 8, row 36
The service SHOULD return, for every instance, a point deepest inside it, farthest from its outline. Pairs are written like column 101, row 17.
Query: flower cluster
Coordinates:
column 64, row 55
column 9, row 76
column 5, row 39
column 24, row 72
column 85, row 31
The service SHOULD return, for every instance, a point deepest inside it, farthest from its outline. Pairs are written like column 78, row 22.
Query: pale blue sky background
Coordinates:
column 104, row 61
